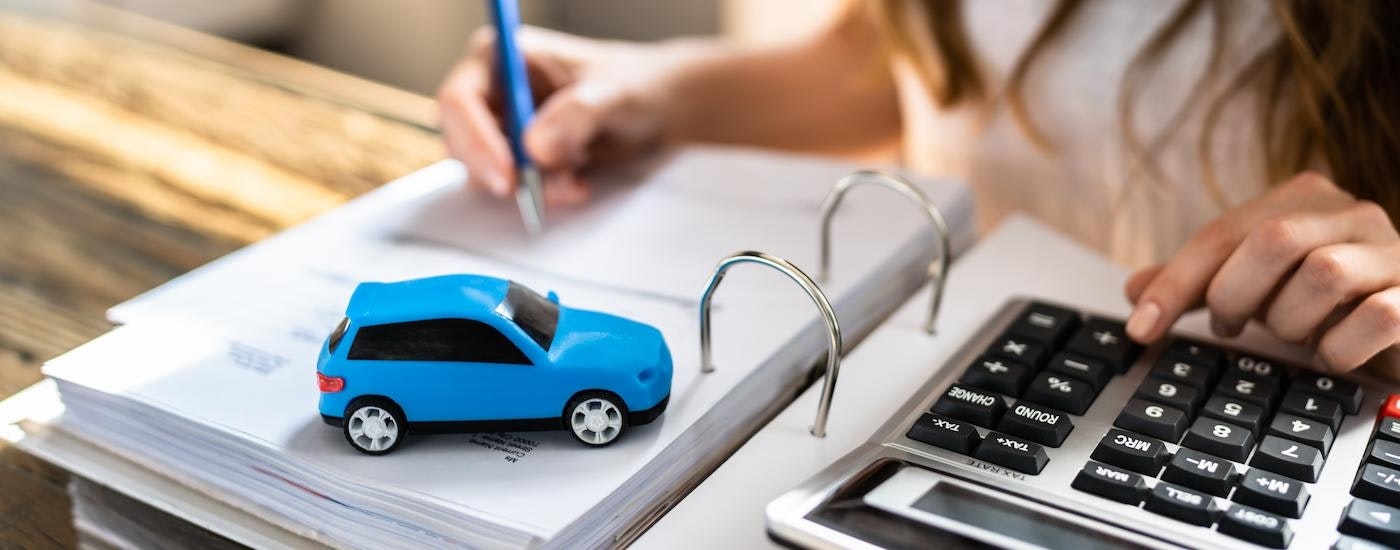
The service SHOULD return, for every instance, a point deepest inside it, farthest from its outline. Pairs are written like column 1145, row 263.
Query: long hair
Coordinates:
column 1329, row 84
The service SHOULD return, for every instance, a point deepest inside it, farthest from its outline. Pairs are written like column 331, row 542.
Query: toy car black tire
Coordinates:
column 374, row 425
column 596, row 418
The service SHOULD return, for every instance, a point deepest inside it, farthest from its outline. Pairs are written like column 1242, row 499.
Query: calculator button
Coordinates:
column 1019, row 349
column 1374, row 522
column 976, row 406
column 1196, row 351
column 1110, row 482
column 1313, row 407
column 1272, row 492
column 1378, row 483
column 1256, row 368
column 1201, row 472
column 1302, row 430
column 1384, row 453
column 1154, row 419
column 1173, row 394
column 1219, row 438
column 1037, row 424
column 1352, row 543
column 1391, row 408
column 1347, row 394
column 1182, row 370
column 1047, row 324
column 946, row 433
column 1140, row 454
column 1105, row 340
column 1060, row 392
column 1289, row 458
column 997, row 375
column 1017, row 454
column 1235, row 411
column 1256, row 526
column 1180, row 503
column 1093, row 371
column 1389, row 429
column 1259, row 392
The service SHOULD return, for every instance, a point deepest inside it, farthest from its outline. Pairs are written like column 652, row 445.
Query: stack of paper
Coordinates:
column 210, row 380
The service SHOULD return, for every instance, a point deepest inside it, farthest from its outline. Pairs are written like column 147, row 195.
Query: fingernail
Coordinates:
column 1219, row 327
column 1143, row 320
column 496, row 183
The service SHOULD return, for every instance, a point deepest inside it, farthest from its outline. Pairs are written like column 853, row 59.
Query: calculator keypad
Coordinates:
column 1233, row 439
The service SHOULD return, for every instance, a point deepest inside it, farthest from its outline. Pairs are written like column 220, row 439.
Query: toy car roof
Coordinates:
column 438, row 297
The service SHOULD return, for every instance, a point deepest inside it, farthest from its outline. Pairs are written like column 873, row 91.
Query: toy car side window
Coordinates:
column 459, row 340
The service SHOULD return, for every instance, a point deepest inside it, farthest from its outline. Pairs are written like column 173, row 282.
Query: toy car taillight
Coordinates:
column 329, row 384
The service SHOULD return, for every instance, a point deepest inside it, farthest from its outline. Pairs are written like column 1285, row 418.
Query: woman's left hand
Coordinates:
column 1315, row 265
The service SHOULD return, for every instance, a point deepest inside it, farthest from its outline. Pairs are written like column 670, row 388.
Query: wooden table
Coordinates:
column 132, row 152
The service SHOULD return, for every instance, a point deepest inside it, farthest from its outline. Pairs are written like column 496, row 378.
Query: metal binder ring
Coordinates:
column 937, row 270
column 833, row 330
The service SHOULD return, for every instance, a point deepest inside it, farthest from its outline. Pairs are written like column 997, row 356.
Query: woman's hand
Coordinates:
column 1314, row 264
column 595, row 100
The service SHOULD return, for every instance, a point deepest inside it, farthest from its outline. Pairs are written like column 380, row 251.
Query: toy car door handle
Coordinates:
column 937, row 269
column 833, row 329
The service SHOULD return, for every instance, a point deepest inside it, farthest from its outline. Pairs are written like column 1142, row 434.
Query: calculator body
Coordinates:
column 897, row 491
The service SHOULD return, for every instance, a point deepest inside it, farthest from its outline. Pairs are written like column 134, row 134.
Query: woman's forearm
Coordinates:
column 830, row 93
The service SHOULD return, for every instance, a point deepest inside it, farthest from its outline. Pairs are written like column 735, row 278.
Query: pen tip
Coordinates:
column 529, row 197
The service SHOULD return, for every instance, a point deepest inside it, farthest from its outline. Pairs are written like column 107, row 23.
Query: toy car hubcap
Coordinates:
column 373, row 428
column 596, row 421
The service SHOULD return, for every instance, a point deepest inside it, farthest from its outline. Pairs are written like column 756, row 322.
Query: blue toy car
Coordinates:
column 468, row 353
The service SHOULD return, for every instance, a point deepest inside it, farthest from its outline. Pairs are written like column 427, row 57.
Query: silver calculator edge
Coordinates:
column 788, row 517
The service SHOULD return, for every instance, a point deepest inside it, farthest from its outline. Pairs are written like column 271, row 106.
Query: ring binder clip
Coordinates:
column 937, row 270
column 833, row 329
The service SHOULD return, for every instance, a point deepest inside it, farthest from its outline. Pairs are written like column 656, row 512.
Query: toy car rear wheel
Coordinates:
column 595, row 418
column 374, row 426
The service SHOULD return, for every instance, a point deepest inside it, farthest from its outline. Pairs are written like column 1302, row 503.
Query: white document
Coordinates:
column 227, row 353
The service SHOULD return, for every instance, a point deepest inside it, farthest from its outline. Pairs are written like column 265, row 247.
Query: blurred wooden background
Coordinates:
column 132, row 152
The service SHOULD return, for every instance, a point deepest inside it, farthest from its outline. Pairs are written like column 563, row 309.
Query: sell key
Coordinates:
column 1181, row 503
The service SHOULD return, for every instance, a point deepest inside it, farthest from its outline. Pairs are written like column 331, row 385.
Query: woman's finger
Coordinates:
column 1372, row 328
column 1273, row 250
column 1139, row 280
column 472, row 130
column 1328, row 278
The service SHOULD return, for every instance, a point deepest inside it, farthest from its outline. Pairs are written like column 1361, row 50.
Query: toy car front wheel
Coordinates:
column 374, row 426
column 596, row 419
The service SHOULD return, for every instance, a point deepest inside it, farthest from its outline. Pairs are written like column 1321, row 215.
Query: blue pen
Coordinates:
column 520, row 108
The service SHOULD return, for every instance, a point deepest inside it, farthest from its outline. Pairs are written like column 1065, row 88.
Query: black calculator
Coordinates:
column 1052, row 429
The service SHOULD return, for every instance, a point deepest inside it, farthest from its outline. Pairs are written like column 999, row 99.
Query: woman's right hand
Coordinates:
column 596, row 101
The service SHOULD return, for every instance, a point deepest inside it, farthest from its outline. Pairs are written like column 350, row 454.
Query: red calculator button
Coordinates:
column 1392, row 406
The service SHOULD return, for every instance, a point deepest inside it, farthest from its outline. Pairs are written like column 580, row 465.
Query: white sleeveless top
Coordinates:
column 1085, row 186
